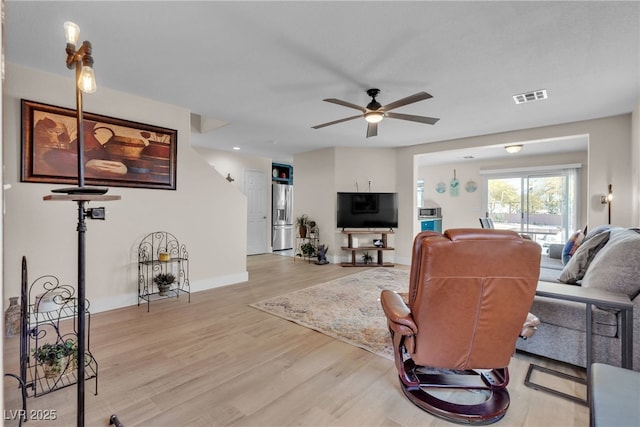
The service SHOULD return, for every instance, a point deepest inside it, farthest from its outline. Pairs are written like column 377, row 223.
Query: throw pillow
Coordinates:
column 599, row 229
column 571, row 246
column 577, row 266
column 616, row 268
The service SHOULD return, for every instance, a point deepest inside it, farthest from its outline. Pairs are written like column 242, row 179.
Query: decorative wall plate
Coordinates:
column 471, row 186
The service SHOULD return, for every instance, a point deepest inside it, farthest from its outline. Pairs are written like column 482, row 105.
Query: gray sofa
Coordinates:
column 608, row 260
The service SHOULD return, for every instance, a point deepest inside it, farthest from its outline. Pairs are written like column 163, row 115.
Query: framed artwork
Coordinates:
column 118, row 152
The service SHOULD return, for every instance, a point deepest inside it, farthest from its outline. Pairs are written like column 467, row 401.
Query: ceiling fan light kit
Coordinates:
column 373, row 116
column 374, row 112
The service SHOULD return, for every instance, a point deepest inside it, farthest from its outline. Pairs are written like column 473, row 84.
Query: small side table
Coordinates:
column 589, row 297
column 615, row 393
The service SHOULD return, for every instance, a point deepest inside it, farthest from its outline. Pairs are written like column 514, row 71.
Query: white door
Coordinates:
column 255, row 188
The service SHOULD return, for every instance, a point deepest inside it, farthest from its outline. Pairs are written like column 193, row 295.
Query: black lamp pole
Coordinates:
column 78, row 59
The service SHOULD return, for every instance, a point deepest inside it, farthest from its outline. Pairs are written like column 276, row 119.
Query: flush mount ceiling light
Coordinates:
column 512, row 149
column 535, row 95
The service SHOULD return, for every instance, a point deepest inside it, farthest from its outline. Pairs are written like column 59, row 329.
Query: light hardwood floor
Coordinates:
column 219, row 362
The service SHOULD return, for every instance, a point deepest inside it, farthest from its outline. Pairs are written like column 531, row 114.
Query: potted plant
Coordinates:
column 367, row 258
column 302, row 222
column 55, row 357
column 307, row 249
column 164, row 282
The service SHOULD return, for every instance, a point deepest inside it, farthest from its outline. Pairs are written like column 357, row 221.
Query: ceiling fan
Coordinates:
column 373, row 113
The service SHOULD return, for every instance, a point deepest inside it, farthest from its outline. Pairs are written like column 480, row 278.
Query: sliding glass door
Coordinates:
column 542, row 204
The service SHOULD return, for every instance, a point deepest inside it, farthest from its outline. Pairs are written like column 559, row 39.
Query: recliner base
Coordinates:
column 487, row 412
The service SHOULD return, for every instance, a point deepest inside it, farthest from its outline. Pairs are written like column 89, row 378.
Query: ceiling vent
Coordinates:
column 530, row 96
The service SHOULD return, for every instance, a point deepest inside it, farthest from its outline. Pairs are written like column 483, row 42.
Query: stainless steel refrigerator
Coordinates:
column 282, row 217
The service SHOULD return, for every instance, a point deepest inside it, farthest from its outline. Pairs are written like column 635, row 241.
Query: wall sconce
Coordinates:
column 82, row 60
column 606, row 200
column 513, row 149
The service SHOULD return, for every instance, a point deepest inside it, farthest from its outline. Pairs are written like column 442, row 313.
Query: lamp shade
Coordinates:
column 87, row 80
column 71, row 32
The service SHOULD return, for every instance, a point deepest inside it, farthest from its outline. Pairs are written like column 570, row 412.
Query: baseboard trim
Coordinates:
column 131, row 298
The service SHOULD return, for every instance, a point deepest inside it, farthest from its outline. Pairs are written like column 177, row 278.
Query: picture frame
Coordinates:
column 118, row 152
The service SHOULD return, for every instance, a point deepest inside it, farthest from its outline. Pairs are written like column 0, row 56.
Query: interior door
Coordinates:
column 255, row 188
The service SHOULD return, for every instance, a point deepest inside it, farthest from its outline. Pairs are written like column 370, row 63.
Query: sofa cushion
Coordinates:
column 549, row 274
column 599, row 229
column 616, row 267
column 555, row 250
column 571, row 315
column 577, row 266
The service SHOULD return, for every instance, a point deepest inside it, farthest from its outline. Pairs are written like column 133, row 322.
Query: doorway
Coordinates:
column 255, row 188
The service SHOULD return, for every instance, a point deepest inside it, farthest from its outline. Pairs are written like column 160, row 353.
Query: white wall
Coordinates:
column 465, row 209
column 226, row 163
column 45, row 232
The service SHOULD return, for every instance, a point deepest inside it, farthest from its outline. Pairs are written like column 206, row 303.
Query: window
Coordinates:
column 540, row 202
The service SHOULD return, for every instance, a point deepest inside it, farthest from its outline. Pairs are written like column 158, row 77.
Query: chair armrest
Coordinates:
column 398, row 314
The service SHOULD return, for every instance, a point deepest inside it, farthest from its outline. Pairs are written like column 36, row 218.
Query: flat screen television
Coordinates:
column 367, row 210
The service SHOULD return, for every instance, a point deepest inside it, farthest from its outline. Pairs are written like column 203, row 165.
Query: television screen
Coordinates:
column 367, row 210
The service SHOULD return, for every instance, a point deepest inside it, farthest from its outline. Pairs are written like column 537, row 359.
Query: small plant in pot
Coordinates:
column 55, row 358
column 164, row 281
column 307, row 250
column 367, row 258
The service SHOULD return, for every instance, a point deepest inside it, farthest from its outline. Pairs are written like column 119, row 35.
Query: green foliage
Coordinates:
column 307, row 249
column 164, row 279
column 53, row 353
column 544, row 195
column 302, row 220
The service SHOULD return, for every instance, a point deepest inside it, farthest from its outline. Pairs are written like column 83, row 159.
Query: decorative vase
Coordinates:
column 303, row 231
column 12, row 318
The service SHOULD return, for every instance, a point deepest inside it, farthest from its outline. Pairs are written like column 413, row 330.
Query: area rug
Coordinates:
column 347, row 308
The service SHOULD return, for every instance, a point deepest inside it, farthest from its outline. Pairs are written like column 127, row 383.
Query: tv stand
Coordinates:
column 379, row 249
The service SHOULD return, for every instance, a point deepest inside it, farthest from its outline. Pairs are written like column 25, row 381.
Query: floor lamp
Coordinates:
column 81, row 60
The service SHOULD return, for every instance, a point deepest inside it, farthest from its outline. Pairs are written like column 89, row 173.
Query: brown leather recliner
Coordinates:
column 470, row 292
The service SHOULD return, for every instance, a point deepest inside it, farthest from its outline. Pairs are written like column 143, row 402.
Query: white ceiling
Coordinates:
column 261, row 69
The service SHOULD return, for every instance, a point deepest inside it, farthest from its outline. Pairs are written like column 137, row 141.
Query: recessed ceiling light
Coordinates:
column 236, row 148
column 535, row 95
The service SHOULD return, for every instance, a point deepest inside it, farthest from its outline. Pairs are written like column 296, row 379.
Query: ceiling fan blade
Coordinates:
column 412, row 118
column 336, row 121
column 345, row 104
column 372, row 129
column 420, row 96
